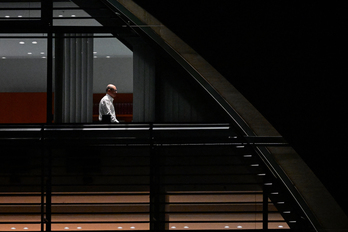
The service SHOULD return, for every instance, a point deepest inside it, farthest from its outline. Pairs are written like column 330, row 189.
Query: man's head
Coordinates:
column 111, row 90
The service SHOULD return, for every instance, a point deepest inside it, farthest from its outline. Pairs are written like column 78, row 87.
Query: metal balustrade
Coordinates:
column 140, row 177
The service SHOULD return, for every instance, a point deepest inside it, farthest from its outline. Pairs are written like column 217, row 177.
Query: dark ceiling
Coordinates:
column 284, row 57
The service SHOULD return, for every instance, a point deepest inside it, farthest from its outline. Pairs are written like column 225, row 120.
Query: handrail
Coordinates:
column 238, row 120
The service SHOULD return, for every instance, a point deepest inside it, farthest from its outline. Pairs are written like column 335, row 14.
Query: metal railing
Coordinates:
column 140, row 177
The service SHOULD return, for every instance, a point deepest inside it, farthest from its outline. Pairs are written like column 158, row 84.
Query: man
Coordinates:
column 106, row 106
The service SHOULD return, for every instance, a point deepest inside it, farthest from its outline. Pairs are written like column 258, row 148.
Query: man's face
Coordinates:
column 112, row 91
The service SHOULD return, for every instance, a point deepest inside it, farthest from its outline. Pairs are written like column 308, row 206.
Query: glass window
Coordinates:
column 23, row 67
column 113, row 64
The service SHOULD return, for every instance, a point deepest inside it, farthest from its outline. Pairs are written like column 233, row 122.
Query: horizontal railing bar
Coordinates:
column 76, row 194
column 136, row 203
column 20, row 8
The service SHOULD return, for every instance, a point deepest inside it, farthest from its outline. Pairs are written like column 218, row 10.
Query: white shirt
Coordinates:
column 106, row 107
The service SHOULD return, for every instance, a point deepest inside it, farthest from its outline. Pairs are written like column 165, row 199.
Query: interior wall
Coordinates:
column 29, row 75
column 118, row 71
column 23, row 75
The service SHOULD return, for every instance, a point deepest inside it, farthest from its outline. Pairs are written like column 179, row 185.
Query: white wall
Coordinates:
column 23, row 75
column 117, row 71
column 29, row 75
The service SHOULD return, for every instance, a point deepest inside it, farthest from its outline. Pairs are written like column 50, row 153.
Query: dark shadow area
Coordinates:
column 285, row 58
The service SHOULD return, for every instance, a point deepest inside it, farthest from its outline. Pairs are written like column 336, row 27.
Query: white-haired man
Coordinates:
column 106, row 105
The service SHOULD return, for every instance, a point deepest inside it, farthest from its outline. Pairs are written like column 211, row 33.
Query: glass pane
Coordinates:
column 20, row 179
column 23, row 67
column 20, row 10
column 100, row 188
column 113, row 64
column 67, row 13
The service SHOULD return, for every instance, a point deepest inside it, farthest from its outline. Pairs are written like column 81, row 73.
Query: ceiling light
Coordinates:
column 66, row 228
column 95, row 56
column 25, row 228
column 20, row 16
column 73, row 15
column 132, row 227
column 34, row 42
column 22, row 42
column 186, row 227
column 42, row 53
column 239, row 226
column 44, row 57
column 13, row 228
column 108, row 57
column 4, row 58
column 95, row 52
column 173, row 227
column 119, row 227
column 280, row 226
column 227, row 227
column 79, row 227
column 60, row 16
column 7, row 16
column 29, row 53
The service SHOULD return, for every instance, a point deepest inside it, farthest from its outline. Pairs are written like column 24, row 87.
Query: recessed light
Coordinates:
column 25, row 228
column 22, row 42
column 13, row 228
column 7, row 16
column 60, row 16
column 119, row 227
column 173, row 227
column 280, row 226
column 95, row 56
column 4, row 57
column 42, row 53
column 239, row 226
column 227, row 227
column 66, row 228
column 186, row 227
column 34, row 42
column 132, row 227
column 73, row 15
column 79, row 227
column 29, row 53
column 20, row 16
column 44, row 57
column 108, row 57
column 95, row 52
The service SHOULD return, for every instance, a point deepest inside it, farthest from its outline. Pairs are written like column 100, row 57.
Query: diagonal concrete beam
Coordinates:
column 325, row 210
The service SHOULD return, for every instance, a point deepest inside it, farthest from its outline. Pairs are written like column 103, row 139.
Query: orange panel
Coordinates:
column 23, row 107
